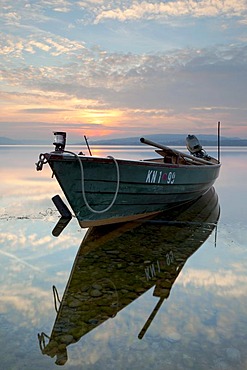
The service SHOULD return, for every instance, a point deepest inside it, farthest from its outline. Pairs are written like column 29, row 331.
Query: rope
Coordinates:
column 43, row 160
column 55, row 297
column 41, row 338
column 83, row 185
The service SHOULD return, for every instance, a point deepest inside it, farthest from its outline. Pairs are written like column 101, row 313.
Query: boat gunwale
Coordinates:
column 137, row 162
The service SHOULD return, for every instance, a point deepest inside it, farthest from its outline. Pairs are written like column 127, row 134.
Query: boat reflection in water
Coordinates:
column 116, row 264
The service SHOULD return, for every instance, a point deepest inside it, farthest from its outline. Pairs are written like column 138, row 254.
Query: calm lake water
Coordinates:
column 170, row 293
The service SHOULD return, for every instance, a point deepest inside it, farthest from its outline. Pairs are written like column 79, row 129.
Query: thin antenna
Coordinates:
column 219, row 141
column 87, row 145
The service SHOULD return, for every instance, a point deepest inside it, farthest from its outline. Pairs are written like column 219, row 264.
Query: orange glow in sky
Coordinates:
column 166, row 67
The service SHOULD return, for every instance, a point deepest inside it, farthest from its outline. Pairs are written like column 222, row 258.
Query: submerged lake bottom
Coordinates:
column 163, row 293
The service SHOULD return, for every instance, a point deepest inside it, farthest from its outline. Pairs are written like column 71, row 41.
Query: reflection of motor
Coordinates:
column 195, row 148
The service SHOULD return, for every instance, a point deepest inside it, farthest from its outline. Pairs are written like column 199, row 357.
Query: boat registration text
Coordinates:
column 154, row 176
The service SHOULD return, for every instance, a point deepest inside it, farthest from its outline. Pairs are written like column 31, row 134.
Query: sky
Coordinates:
column 106, row 69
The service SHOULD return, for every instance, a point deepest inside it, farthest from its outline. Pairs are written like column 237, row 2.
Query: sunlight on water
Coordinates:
column 179, row 283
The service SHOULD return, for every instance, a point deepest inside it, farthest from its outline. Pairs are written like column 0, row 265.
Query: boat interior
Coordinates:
column 171, row 156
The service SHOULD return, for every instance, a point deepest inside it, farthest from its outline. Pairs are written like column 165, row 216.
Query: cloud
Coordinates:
column 20, row 47
column 140, row 10
column 224, row 280
column 19, row 260
column 186, row 85
column 47, row 76
column 97, row 11
column 43, row 110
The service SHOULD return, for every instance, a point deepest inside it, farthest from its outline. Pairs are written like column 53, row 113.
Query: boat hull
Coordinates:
column 104, row 190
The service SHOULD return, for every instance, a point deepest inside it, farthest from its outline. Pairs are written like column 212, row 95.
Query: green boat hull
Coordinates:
column 104, row 190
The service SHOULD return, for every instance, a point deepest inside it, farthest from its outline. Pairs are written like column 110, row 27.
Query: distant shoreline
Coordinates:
column 239, row 145
column 165, row 139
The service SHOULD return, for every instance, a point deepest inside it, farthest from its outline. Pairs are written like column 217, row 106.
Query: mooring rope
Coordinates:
column 43, row 160
column 55, row 297
column 83, row 184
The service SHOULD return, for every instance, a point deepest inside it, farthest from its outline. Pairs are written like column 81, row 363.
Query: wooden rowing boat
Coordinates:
column 108, row 190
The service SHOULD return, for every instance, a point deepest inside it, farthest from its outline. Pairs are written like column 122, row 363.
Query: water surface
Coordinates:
column 201, row 321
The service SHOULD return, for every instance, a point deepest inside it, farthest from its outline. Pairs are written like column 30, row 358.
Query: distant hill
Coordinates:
column 173, row 140
column 8, row 141
column 165, row 139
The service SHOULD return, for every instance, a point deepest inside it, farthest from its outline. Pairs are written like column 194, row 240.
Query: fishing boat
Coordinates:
column 117, row 264
column 108, row 190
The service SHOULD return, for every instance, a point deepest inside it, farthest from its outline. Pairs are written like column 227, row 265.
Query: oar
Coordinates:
column 174, row 151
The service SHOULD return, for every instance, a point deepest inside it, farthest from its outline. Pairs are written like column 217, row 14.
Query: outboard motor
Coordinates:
column 59, row 141
column 194, row 147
